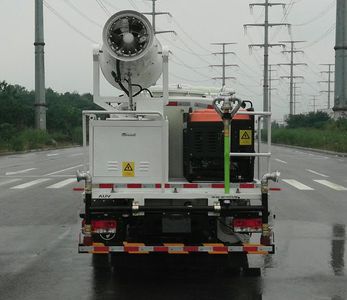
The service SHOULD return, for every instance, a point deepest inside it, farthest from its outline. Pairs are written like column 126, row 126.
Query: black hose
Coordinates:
column 118, row 78
column 149, row 92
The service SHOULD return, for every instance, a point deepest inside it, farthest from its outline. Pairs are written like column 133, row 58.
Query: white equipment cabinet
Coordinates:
column 129, row 150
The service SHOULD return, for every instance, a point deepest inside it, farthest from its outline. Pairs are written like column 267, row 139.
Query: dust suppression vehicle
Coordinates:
column 168, row 171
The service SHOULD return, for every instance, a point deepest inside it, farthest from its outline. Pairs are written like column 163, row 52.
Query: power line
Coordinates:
column 82, row 14
column 68, row 23
column 184, row 64
column 111, row 5
column 288, row 9
column 320, row 15
column 190, row 51
column 132, row 3
column 190, row 37
column 189, row 67
column 324, row 35
column 187, row 79
column 103, row 7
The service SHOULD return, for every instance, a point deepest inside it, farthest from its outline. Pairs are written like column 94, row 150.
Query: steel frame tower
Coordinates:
column 329, row 82
column 266, row 45
column 314, row 105
column 154, row 14
column 224, row 65
column 292, row 64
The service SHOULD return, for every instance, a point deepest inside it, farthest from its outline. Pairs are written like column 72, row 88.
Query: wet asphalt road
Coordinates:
column 39, row 227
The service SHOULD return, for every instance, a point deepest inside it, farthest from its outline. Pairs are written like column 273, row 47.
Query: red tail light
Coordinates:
column 247, row 225
column 104, row 226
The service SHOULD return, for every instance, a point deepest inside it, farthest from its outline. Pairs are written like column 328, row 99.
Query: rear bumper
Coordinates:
column 138, row 248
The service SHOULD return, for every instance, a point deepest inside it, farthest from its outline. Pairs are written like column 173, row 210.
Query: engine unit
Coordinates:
column 204, row 147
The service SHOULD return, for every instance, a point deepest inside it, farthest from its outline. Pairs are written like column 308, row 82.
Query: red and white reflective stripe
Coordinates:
column 203, row 105
column 186, row 104
column 173, row 185
column 247, row 185
column 249, row 249
column 175, row 103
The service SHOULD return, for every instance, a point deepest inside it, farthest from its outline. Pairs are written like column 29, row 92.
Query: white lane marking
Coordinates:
column 30, row 183
column 281, row 161
column 9, row 181
column 53, row 154
column 331, row 185
column 40, row 176
column 61, row 184
column 76, row 154
column 300, row 186
column 316, row 173
column 20, row 172
column 60, row 171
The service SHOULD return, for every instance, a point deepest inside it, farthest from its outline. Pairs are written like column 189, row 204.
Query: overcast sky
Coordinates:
column 197, row 22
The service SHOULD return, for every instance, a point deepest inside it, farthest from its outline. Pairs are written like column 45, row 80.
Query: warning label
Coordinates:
column 128, row 169
column 245, row 137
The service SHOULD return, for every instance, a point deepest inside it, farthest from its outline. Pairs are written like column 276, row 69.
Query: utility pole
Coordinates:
column 340, row 105
column 154, row 14
column 329, row 81
column 40, row 90
column 292, row 64
column 266, row 45
column 224, row 65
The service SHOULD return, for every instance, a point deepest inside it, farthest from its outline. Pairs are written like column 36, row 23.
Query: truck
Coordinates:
column 169, row 171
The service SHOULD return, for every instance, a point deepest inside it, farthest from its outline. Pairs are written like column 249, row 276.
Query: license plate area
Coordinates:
column 176, row 224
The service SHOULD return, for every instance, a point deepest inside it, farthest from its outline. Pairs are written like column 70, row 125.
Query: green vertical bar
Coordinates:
column 226, row 157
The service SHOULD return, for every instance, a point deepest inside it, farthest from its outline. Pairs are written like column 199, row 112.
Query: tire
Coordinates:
column 236, row 263
column 100, row 261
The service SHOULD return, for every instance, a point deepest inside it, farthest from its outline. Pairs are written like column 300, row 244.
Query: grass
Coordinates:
column 28, row 139
column 333, row 140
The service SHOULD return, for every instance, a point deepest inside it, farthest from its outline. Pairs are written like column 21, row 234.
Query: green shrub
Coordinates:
column 16, row 144
column 77, row 136
column 7, row 131
column 59, row 137
column 334, row 140
column 34, row 139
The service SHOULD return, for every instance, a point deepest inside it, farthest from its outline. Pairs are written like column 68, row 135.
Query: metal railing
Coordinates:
column 261, row 115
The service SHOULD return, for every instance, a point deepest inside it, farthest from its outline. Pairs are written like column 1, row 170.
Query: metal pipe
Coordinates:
column 113, row 112
column 161, row 209
column 269, row 133
column 275, row 176
column 250, row 154
column 227, row 112
column 254, row 113
column 259, row 144
column 226, row 156
column 85, row 149
column 130, row 90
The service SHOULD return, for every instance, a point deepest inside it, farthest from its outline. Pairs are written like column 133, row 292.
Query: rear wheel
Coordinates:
column 236, row 263
column 101, row 261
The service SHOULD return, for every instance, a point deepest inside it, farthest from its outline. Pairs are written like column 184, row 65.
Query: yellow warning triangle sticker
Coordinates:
column 245, row 136
column 128, row 168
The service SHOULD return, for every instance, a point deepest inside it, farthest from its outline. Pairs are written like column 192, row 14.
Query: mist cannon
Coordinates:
column 131, row 54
